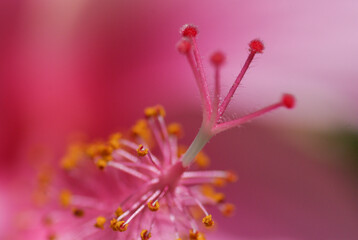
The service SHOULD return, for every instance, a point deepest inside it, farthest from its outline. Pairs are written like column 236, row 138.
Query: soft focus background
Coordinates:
column 70, row 67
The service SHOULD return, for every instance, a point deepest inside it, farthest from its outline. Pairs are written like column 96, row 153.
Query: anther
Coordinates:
column 153, row 206
column 189, row 30
column 114, row 140
column 118, row 212
column 100, row 221
column 142, row 151
column 227, row 209
column 101, row 163
column 145, row 235
column 217, row 58
column 65, row 198
column 208, row 221
column 78, row 212
column 184, row 45
column 175, row 129
column 288, row 100
column 193, row 235
column 118, row 225
column 202, row 160
column 256, row 46
column 231, row 177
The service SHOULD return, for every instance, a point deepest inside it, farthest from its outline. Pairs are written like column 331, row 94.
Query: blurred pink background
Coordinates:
column 91, row 67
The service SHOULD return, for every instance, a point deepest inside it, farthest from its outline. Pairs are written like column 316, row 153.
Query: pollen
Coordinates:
column 65, row 198
column 175, row 129
column 142, row 151
column 78, row 212
column 208, row 221
column 118, row 212
column 155, row 111
column 153, row 206
column 100, row 221
column 145, row 235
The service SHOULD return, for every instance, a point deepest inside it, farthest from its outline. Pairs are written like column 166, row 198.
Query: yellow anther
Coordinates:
column 118, row 225
column 210, row 192
column 219, row 182
column 150, row 112
column 114, row 140
column 228, row 209
column 121, row 226
column 207, row 190
column 175, row 129
column 141, row 129
column 153, row 206
column 145, row 235
column 92, row 150
column 101, row 163
column 78, row 212
column 155, row 111
column 118, row 212
column 193, row 235
column 142, row 151
column 218, row 197
column 65, row 198
column 208, row 221
column 231, row 177
column 100, row 221
column 202, row 160
column 161, row 110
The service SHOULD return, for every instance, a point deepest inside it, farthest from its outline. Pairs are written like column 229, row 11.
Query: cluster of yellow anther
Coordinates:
column 153, row 206
column 155, row 111
column 145, row 235
column 142, row 151
column 100, row 221
column 78, row 212
column 175, row 129
column 65, row 198
column 118, row 225
column 210, row 192
column 73, row 155
column 118, row 212
column 101, row 152
column 208, row 221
